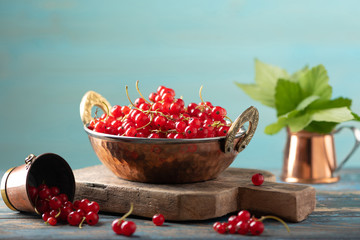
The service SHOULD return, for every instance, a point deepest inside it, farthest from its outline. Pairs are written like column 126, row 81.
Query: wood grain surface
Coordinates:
column 231, row 191
column 336, row 216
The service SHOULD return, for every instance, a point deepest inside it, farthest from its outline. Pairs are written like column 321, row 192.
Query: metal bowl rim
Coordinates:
column 156, row 140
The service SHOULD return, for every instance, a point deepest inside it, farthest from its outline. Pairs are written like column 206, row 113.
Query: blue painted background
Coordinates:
column 52, row 52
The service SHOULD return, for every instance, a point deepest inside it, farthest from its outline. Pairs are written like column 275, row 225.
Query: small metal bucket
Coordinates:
column 47, row 168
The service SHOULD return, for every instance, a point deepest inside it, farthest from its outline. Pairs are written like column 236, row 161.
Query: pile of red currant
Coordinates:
column 163, row 116
column 54, row 206
column 243, row 223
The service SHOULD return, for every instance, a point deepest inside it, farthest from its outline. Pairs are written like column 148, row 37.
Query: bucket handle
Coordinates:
column 250, row 115
column 356, row 133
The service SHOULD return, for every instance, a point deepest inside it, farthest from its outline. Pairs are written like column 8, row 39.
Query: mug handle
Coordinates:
column 356, row 133
column 250, row 115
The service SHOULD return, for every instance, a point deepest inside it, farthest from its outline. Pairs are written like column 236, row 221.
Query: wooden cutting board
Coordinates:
column 230, row 192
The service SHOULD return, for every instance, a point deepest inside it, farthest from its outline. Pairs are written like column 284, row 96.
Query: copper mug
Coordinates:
column 311, row 158
column 48, row 168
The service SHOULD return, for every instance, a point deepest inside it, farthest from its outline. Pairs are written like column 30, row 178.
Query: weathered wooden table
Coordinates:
column 337, row 216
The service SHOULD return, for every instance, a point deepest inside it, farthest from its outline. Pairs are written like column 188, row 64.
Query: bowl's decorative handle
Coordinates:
column 89, row 100
column 250, row 115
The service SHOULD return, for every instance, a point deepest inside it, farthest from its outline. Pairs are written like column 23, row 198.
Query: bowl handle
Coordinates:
column 250, row 115
column 89, row 100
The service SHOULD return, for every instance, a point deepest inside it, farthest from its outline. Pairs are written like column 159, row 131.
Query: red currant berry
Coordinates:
column 167, row 91
column 100, row 127
column 179, row 136
column 257, row 179
column 191, row 106
column 158, row 219
column 218, row 113
column 154, row 135
column 68, row 204
column 216, row 226
column 131, row 132
column 233, row 219
column 33, row 192
column 232, row 228
column 242, row 227
column 45, row 216
column 93, row 207
column 65, row 211
column 42, row 186
column 152, row 96
column 180, row 126
column 244, row 215
column 256, row 228
column 42, row 206
column 116, row 111
column 174, row 108
column 190, row 132
column 167, row 97
column 92, row 218
column 194, row 121
column 52, row 221
column 44, row 193
column 55, row 213
column 55, row 203
column 159, row 89
column 81, row 212
column 63, row 197
column 222, row 229
column 116, row 226
column 125, row 110
column 128, row 228
column 180, row 102
column 138, row 102
column 74, row 218
column 222, row 131
column 76, row 204
column 160, row 121
column 157, row 106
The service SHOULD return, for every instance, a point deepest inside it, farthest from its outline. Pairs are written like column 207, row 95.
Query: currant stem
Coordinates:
column 82, row 221
column 228, row 119
column 200, row 93
column 57, row 215
column 36, row 211
column 126, row 214
column 137, row 88
column 275, row 218
column 107, row 108
column 127, row 94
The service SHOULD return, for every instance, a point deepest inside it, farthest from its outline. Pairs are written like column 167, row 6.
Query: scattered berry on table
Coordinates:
column 158, row 219
column 257, row 179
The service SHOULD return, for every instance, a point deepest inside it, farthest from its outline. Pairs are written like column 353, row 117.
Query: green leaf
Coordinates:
column 287, row 96
column 316, row 82
column 257, row 93
column 266, row 75
column 326, row 104
column 338, row 115
column 356, row 117
column 306, row 102
column 276, row 127
column 299, row 123
column 297, row 75
column 321, row 127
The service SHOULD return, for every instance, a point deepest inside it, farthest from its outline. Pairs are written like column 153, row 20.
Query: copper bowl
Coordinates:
column 168, row 160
